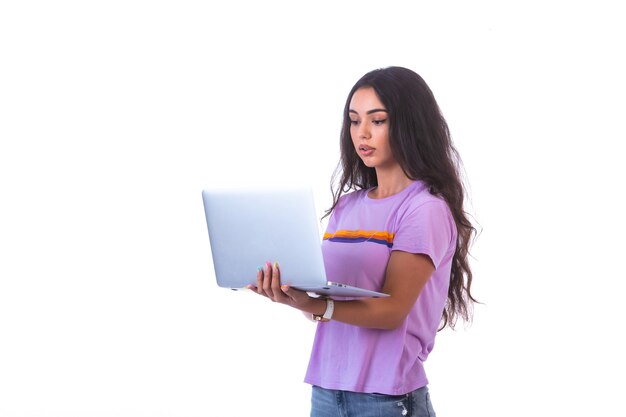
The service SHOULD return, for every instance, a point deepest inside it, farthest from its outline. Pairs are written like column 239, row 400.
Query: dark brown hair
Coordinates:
column 420, row 141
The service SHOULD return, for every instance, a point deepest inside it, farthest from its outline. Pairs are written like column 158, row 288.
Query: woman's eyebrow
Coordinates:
column 369, row 111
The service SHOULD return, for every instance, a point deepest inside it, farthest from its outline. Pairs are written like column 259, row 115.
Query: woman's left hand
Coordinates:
column 268, row 285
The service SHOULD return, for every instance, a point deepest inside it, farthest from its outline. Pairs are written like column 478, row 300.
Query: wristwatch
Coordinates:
column 328, row 314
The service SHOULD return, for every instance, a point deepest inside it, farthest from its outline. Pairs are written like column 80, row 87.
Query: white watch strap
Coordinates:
column 330, row 308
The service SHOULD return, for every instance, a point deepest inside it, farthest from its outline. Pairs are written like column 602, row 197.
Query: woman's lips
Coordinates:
column 366, row 150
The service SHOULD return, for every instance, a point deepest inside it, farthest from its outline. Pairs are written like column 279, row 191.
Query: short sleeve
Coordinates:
column 428, row 229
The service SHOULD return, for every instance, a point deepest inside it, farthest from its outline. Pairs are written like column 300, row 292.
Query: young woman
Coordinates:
column 402, row 231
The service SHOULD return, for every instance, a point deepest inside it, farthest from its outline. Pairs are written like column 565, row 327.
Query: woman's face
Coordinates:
column 369, row 128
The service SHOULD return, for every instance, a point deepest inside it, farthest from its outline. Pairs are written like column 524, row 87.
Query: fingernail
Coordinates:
column 285, row 288
column 259, row 269
column 275, row 265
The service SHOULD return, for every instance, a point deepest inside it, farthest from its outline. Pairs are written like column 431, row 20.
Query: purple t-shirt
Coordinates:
column 357, row 245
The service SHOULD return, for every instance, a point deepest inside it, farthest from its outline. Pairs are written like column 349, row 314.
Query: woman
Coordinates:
column 401, row 231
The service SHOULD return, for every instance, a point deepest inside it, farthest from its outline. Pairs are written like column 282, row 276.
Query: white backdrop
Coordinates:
column 114, row 115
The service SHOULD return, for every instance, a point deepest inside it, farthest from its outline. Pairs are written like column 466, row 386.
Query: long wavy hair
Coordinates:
column 421, row 143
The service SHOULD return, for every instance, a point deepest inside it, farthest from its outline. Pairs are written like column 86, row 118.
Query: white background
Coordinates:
column 114, row 115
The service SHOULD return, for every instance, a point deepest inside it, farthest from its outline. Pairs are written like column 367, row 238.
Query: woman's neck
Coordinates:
column 390, row 181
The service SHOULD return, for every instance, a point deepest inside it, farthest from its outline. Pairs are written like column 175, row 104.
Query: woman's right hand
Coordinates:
column 268, row 285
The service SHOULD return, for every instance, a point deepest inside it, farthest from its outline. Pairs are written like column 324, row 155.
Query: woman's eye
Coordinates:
column 354, row 122
column 379, row 122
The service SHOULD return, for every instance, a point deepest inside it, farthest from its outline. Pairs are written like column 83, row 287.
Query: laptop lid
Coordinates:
column 248, row 227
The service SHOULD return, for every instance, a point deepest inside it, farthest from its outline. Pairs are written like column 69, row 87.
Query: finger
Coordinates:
column 277, row 288
column 288, row 294
column 298, row 298
column 294, row 295
column 259, row 281
column 286, row 290
column 275, row 284
column 267, row 280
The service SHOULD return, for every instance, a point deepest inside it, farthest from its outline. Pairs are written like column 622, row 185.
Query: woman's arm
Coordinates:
column 405, row 277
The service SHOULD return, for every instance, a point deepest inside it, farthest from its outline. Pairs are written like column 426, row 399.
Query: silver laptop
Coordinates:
column 248, row 227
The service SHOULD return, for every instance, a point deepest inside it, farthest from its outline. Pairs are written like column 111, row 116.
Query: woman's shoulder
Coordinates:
column 420, row 197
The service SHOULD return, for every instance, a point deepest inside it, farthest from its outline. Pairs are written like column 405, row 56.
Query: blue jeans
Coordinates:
column 333, row 403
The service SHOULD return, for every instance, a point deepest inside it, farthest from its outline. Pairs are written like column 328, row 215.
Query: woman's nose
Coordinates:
column 364, row 132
